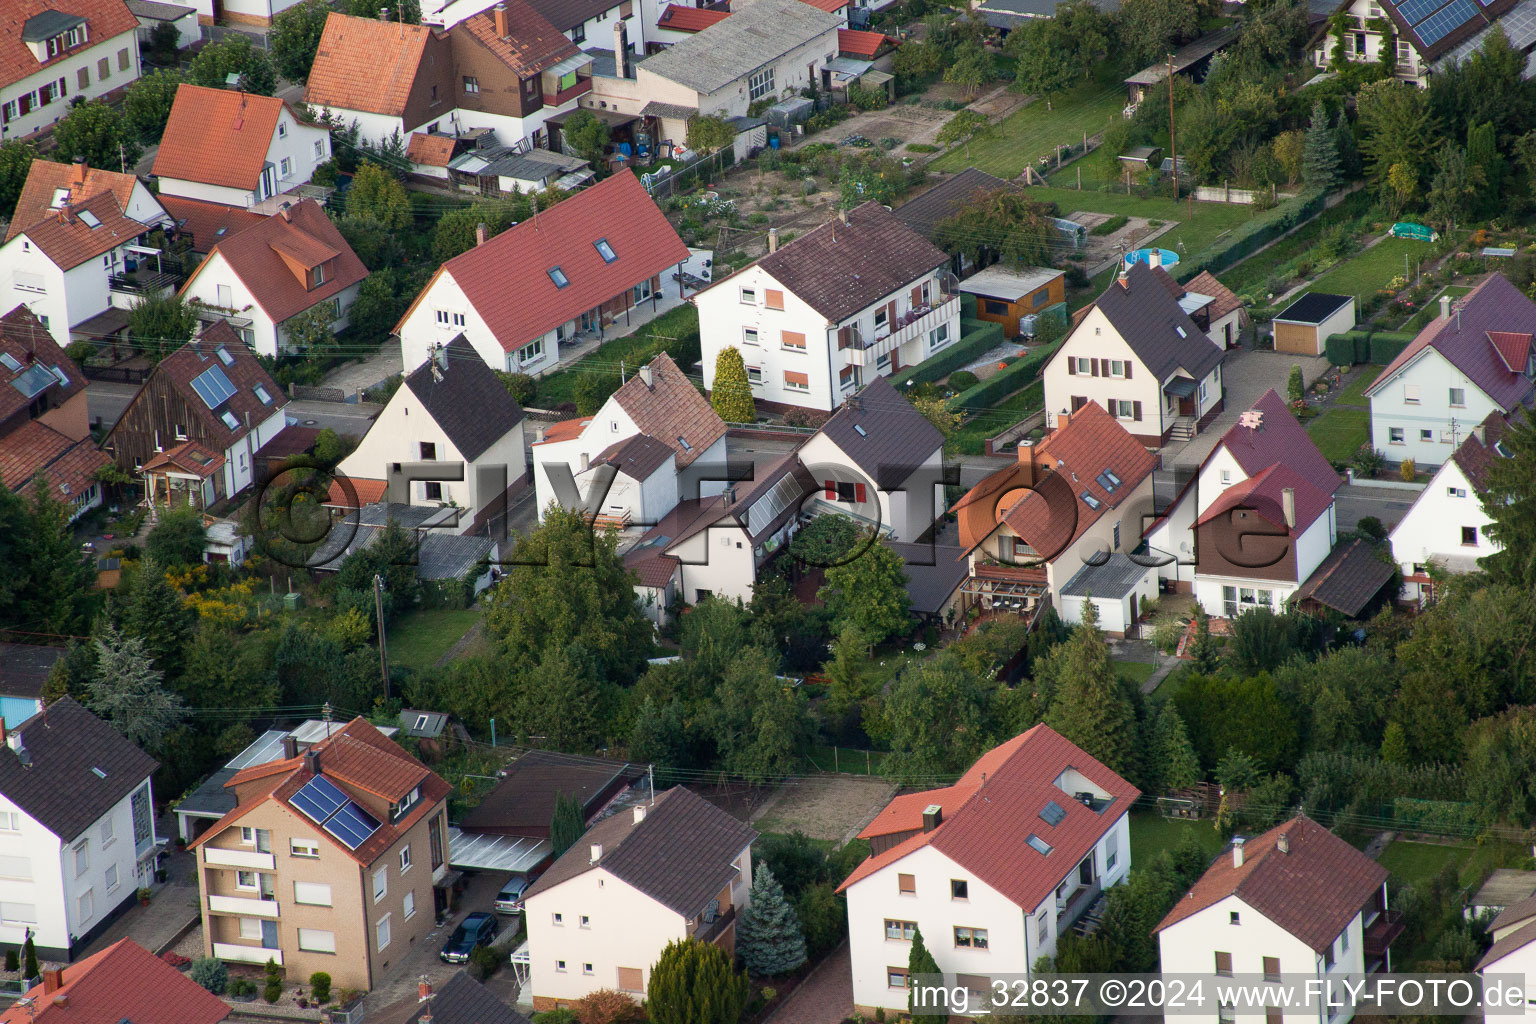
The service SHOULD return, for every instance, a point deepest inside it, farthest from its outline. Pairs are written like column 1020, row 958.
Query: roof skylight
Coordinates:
column 89, row 219
column 558, row 276
column 1091, row 501
column 605, row 250
column 1108, row 480
column 1039, row 845
column 1052, row 813
column 224, row 356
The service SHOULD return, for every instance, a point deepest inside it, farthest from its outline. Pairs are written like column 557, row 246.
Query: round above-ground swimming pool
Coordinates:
column 1165, row 257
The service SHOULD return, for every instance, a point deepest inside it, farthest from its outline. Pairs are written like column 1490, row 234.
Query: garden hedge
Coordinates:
column 1004, row 383
column 1439, row 816
column 1254, row 235
column 1349, row 348
column 1388, row 345
column 976, row 337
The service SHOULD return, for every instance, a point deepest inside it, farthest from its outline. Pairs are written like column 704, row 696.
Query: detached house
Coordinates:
column 599, row 917
column 77, row 830
column 210, row 395
column 388, row 77
column 44, row 424
column 993, row 870
column 1297, row 900
column 567, row 273
column 1476, row 358
column 1513, row 951
column 330, row 860
column 857, row 298
column 1139, row 354
column 125, row 981
column 74, row 236
column 1447, row 527
column 1426, row 37
column 453, row 409
column 264, row 276
column 236, row 148
column 55, row 52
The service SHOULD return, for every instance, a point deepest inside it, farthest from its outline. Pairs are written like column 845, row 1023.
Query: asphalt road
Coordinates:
column 106, row 402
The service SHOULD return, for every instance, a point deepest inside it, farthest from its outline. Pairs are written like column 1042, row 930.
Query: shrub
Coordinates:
column 1371, row 527
column 1254, row 234
column 1295, row 386
column 12, row 961
column 520, row 386
column 320, row 986
column 560, row 1016
column 273, row 990
column 1387, row 346
column 921, row 147
column 1112, row 225
column 1368, row 461
column 210, row 973
column 483, row 962
column 799, row 418
column 606, row 1006
column 962, row 379
column 1407, row 470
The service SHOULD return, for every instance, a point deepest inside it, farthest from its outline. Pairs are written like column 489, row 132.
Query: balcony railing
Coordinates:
column 1382, row 932
column 239, row 859
column 554, row 99
column 712, row 930
column 1010, row 573
column 243, row 906
column 247, row 954
column 908, row 327
column 142, row 282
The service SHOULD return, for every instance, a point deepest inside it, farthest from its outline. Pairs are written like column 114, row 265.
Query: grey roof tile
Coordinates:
column 465, row 398
column 1144, row 312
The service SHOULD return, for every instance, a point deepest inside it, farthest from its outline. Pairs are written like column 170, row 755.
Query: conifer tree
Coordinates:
column 1089, row 708
column 1320, row 160
column 768, row 937
column 732, row 394
column 156, row 614
column 29, row 956
column 1178, row 766
column 1509, row 500
column 567, row 825
column 1203, row 649
column 919, row 962
column 695, row 983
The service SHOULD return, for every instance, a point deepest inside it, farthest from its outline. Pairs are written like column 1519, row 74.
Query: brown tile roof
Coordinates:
column 1205, row 283
column 681, row 855
column 1524, row 910
column 429, row 150
column 1312, row 891
column 677, row 18
column 637, row 457
column 523, row 801
column 271, row 258
column 104, row 19
column 189, row 457
column 671, row 410
column 365, row 64
column 1279, row 439
column 532, row 43
column 1351, row 575
column 125, row 981
column 463, row 1000
column 24, row 338
column 1143, row 307
column 208, row 224
column 24, row 668
column 567, row 14
column 69, row 466
column 830, row 6
column 62, row 789
column 840, row 269
column 994, row 807
column 45, row 177
column 1517, row 939
column 507, row 279
column 218, row 136
column 924, row 211
column 68, row 237
column 655, row 571
column 1476, row 455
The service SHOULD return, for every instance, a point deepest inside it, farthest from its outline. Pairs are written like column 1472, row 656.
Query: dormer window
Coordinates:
column 410, row 800
column 319, row 275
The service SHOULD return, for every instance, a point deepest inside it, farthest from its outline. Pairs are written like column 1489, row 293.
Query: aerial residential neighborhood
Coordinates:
column 762, row 511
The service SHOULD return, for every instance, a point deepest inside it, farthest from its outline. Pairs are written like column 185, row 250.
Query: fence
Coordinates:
column 991, row 445
column 117, row 374
column 309, row 393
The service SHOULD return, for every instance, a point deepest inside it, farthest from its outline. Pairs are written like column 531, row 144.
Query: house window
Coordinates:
column 586, row 968
column 1456, row 492
column 749, row 335
column 749, row 296
column 285, row 168
column 530, row 352
column 901, row 930
column 1426, row 435
column 1271, row 968
column 971, row 938
column 760, row 84
column 796, row 381
column 994, row 307
column 432, row 491
column 1226, row 1014
column 314, row 940
column 1411, row 394
column 380, row 883
column 605, row 250
column 1458, row 397
column 1040, row 298
column 1224, row 964
column 558, row 276
column 250, row 927
column 1084, row 367
column 1112, row 841
column 1124, row 410
column 471, row 84
column 247, row 880
column 282, row 130
column 314, row 894
column 1272, row 1015
column 896, row 977
column 938, row 337
column 1117, row 368
column 1469, row 536
column 18, row 913
column 755, row 374
column 320, row 145
column 381, row 933
column 320, row 279
column 557, row 919
column 10, row 821
column 304, row 847
column 435, row 841
column 1042, row 927
column 586, row 922
column 906, row 884
column 1394, row 435
column 579, row 34
column 410, row 904
column 405, row 859
column 83, row 851
column 108, row 833
column 560, row 965
column 1234, row 917
column 959, row 889
column 111, row 877
column 428, row 451
column 792, row 340
column 1328, row 957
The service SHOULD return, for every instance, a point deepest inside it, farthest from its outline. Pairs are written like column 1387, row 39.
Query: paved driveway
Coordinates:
column 1245, row 376
column 825, row 998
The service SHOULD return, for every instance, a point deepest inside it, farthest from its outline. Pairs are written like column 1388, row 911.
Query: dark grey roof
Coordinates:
column 1314, row 308
column 655, row 108
column 47, row 24
column 1144, row 312
column 934, row 571
column 923, row 212
column 1185, row 57
column 523, row 802
column 1114, row 579
column 536, row 165
column 884, row 435
column 80, row 768
column 441, row 554
column 1349, row 578
column 463, row 1000
column 24, row 669
column 157, row 11
column 637, row 457
column 433, row 726
column 211, row 799
column 470, row 403
column 681, row 855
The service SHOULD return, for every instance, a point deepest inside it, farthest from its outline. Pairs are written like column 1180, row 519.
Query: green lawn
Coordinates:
column 1151, row 834
column 1370, row 271
column 1136, row 672
column 1354, row 394
column 1189, row 235
column 1250, row 275
column 1339, row 432
column 417, row 639
column 1415, row 862
column 631, row 350
column 1026, row 135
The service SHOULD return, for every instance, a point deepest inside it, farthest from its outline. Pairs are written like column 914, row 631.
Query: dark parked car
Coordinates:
column 478, row 929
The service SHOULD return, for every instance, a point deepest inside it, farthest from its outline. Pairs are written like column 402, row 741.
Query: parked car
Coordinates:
column 478, row 929
column 510, row 899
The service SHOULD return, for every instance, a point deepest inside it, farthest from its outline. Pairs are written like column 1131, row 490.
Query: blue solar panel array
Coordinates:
column 1415, row 11
column 37, row 378
column 327, row 806
column 213, row 387
column 1442, row 23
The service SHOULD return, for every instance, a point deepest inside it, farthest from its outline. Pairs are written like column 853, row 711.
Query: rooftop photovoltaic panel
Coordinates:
column 352, row 825
column 1052, row 813
column 213, row 386
column 319, row 799
column 34, row 380
column 1442, row 23
column 1415, row 11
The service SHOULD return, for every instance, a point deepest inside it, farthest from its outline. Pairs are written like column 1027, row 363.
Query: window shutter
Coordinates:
column 1095, row 367
column 842, row 337
column 917, row 296
column 890, row 312
column 1136, row 411
column 796, row 378
column 1071, row 366
column 1109, row 406
column 858, row 492
column 830, row 487
column 1128, row 369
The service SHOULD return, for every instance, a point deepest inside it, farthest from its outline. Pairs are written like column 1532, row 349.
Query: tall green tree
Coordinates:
column 1089, row 709
column 1397, row 127
column 870, row 593
column 1003, row 225
column 16, row 159
column 567, row 826
column 97, row 134
column 695, row 983
column 562, row 699
column 376, row 194
column 160, row 324
column 768, row 936
column 732, row 393
column 970, row 67
column 45, row 586
column 761, row 723
column 177, row 540
column 234, row 55
column 1176, row 764
column 1454, row 188
column 938, row 717
column 1509, row 502
column 1149, row 30
column 129, row 692
column 406, row 11
column 1202, row 649
column 295, row 37
column 1057, row 52
column 1483, row 154
column 157, row 615
column 919, row 962
column 147, row 103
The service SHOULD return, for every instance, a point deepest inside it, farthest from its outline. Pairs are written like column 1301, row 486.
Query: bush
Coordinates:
column 1112, row 225
column 273, row 990
column 1349, row 348
column 921, row 147
column 1295, row 386
column 1388, row 345
column 606, row 1006
column 1018, row 374
column 210, row 973
column 560, row 1016
column 520, row 386
column 1370, row 526
column 962, row 379
column 1368, row 461
column 1407, row 470
column 320, row 986
column 483, row 962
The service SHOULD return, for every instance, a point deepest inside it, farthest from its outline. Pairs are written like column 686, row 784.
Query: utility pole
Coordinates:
column 378, row 608
column 1173, row 147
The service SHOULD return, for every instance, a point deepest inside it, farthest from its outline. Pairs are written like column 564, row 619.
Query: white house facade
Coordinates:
column 264, row 147
column 63, row 57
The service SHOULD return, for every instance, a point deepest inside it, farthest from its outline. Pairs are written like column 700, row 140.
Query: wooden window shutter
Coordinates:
column 830, row 489
column 1071, row 366
column 844, row 339
column 1127, row 369
column 1078, row 401
column 627, row 9
column 917, row 296
column 858, row 492
column 1095, row 367
column 631, row 979
column 1136, row 411
column 1109, row 406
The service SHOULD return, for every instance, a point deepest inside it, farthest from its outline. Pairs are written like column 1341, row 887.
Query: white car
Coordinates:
column 510, row 899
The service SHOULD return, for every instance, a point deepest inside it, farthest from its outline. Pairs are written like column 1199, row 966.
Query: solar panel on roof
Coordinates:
column 323, row 803
column 9, row 361
column 1441, row 24
column 1415, row 11
column 1052, row 813
column 319, row 799
column 213, row 387
column 34, row 380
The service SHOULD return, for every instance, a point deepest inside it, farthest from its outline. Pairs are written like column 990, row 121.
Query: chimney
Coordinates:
column 1154, row 257
column 79, row 177
column 1480, row 432
column 842, row 215
column 312, row 761
column 620, row 49
column 597, row 852
column 1288, row 506
column 423, row 989
column 290, row 747
column 1445, row 307
column 933, row 816
column 14, row 741
column 53, row 980
column 1124, row 279
column 500, row 14
column 1237, row 851
column 645, row 377
column 442, row 357
column 773, row 239
column 1026, row 472
column 1283, row 843
column 383, row 13
column 287, row 214
column 481, row 231
column 639, row 813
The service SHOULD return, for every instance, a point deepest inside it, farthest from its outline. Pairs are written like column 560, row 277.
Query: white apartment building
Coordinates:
column 57, row 52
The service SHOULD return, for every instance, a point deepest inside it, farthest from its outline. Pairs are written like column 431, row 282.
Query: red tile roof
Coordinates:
column 125, row 981
column 103, row 20
column 1264, row 495
column 1476, row 455
column 507, row 279
column 830, row 6
column 69, row 466
column 24, row 338
column 429, row 150
column 677, row 18
column 905, row 813
column 363, row 492
column 188, row 457
column 271, row 259
column 565, row 430
column 365, row 64
column 1514, row 347
column 208, row 223
column 69, row 238
column 985, row 833
column 218, row 136
column 45, row 177
column 1312, row 891
column 532, row 43
column 654, row 572
column 860, row 44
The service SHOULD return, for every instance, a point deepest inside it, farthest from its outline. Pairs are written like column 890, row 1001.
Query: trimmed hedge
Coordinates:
column 1366, row 346
column 967, row 306
column 1255, row 234
column 1388, row 345
column 1004, row 383
column 976, row 337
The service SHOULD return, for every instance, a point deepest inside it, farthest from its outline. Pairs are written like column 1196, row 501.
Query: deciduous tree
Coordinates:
column 295, row 36
column 938, row 718
column 870, row 593
column 1151, row 29
column 587, row 136
column 732, row 393
column 97, row 134
column 234, row 55
column 147, row 103
column 177, row 540
column 378, row 195
column 160, row 324
column 16, row 159
column 970, row 68
column 1454, row 188
column 1397, row 127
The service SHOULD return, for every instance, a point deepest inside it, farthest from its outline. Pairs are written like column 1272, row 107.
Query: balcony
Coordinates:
column 247, row 954
column 249, row 859
column 143, row 283
column 709, row 931
column 1010, row 573
column 1381, row 932
column 909, row 326
column 243, row 906
column 554, row 99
